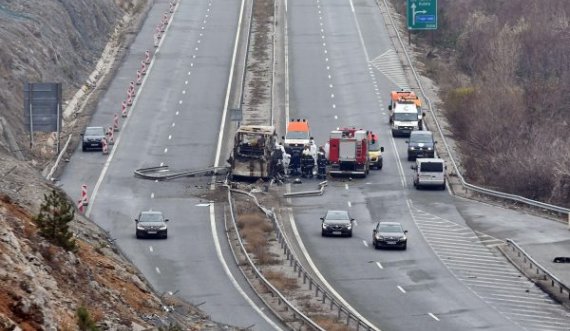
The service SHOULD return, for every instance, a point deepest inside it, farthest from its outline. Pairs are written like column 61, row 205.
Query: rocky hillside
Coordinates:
column 42, row 286
column 49, row 41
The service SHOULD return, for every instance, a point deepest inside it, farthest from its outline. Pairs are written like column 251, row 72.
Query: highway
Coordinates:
column 342, row 69
column 174, row 121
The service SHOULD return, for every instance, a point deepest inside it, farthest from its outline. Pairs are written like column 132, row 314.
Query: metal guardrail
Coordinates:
column 320, row 292
column 532, row 264
column 164, row 172
column 282, row 299
column 464, row 183
column 320, row 191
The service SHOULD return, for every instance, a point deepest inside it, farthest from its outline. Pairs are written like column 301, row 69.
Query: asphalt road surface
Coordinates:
column 174, row 121
column 342, row 69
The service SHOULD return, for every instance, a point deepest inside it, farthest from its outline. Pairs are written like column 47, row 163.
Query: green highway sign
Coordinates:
column 422, row 14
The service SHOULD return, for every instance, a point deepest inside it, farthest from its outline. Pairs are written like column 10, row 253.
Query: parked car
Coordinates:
column 151, row 223
column 337, row 222
column 389, row 234
column 429, row 172
column 421, row 144
column 92, row 138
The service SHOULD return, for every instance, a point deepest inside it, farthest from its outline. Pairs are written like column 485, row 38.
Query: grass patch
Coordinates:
column 255, row 230
column 280, row 281
column 330, row 323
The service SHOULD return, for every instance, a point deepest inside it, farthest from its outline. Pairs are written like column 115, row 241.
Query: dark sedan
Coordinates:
column 92, row 139
column 389, row 234
column 421, row 145
column 151, row 224
column 336, row 223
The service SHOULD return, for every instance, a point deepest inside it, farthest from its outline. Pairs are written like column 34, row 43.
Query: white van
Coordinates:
column 403, row 119
column 429, row 172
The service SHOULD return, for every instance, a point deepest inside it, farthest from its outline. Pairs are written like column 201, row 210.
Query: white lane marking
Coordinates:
column 332, row 95
column 401, row 289
column 173, row 124
column 157, row 270
column 334, row 105
column 180, row 102
column 359, row 32
column 185, row 82
column 189, row 73
column 169, row 137
column 365, row 243
column 192, row 63
column 349, row 204
column 493, row 266
column 379, row 265
column 399, row 164
column 151, row 249
column 320, row 276
column 177, row 112
column 355, row 223
column 516, row 283
column 433, row 316
column 541, row 297
column 226, row 101
column 166, row 150
column 216, row 162
column 116, row 145
column 346, row 186
column 183, row 91
column 227, row 269
column 512, row 302
column 336, row 117
column 161, row 164
column 152, row 195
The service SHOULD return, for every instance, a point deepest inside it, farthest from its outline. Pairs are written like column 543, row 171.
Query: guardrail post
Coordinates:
column 304, row 278
column 339, row 311
column 568, row 221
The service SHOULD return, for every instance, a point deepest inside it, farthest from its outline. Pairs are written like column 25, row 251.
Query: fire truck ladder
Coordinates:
column 165, row 173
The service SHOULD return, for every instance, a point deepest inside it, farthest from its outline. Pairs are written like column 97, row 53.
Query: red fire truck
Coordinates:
column 348, row 152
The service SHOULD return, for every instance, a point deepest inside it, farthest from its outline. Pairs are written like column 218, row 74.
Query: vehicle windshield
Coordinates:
column 151, row 217
column 374, row 146
column 94, row 131
column 337, row 215
column 297, row 135
column 392, row 228
column 405, row 117
column 431, row 167
column 421, row 138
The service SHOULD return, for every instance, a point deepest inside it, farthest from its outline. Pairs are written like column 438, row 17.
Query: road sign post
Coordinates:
column 422, row 14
